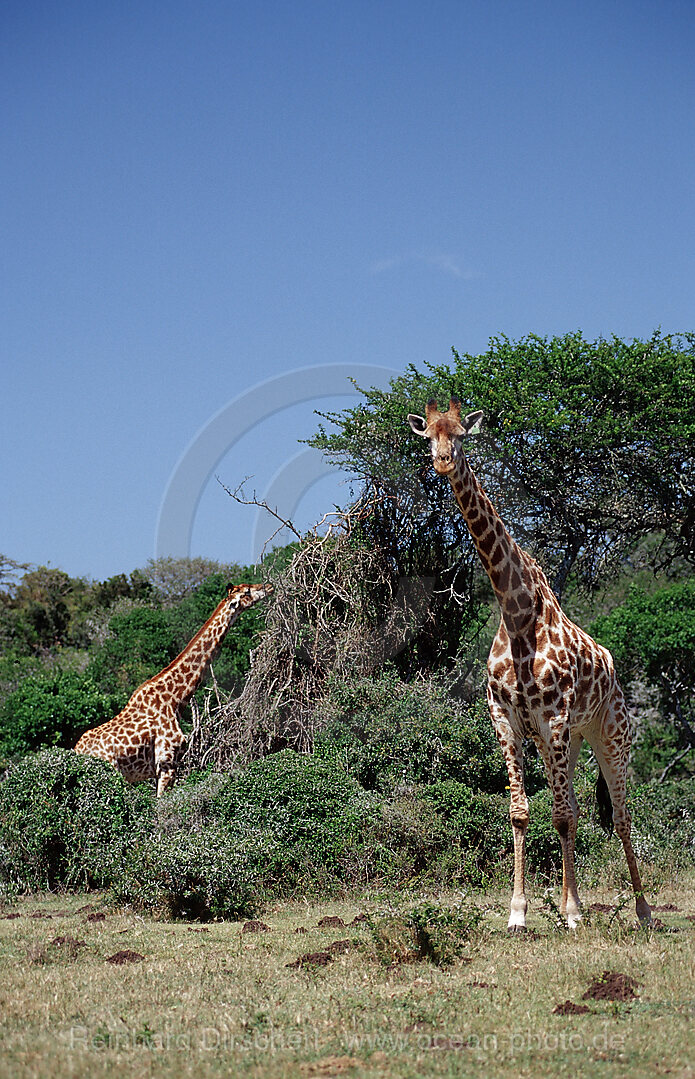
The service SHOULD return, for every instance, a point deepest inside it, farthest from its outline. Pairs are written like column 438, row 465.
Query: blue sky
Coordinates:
column 201, row 198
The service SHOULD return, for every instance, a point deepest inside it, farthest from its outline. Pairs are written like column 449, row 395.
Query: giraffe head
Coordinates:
column 245, row 595
column 445, row 431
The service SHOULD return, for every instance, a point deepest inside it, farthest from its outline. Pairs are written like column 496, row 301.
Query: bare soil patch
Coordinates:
column 568, row 1007
column 322, row 958
column 125, row 956
column 611, row 985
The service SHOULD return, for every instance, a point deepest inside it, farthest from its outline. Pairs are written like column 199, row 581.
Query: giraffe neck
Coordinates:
column 513, row 574
column 185, row 673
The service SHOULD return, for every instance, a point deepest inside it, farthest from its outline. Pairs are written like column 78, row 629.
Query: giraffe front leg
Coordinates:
column 164, row 763
column 512, row 750
column 166, row 777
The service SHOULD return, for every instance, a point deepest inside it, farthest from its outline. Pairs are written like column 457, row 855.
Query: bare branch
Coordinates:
column 254, row 501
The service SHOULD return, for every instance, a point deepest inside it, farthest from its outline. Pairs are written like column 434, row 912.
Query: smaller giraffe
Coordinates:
column 144, row 741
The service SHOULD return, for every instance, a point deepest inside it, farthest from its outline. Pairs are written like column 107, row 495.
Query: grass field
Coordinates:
column 189, row 1000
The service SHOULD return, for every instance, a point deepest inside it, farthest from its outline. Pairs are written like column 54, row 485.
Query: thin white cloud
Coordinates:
column 440, row 260
column 382, row 265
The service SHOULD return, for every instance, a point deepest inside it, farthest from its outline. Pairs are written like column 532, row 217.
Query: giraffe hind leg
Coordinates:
column 612, row 750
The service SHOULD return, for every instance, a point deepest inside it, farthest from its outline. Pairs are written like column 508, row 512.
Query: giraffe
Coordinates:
column 547, row 678
column 145, row 739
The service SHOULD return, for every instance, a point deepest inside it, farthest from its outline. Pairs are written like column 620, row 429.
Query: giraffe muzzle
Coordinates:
column 443, row 464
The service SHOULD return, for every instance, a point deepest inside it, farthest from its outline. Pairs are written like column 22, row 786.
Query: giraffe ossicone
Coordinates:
column 548, row 680
column 144, row 741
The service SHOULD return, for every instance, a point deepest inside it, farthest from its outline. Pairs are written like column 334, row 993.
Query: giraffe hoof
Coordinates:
column 515, row 930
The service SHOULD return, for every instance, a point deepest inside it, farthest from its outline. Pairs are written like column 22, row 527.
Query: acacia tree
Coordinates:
column 586, row 447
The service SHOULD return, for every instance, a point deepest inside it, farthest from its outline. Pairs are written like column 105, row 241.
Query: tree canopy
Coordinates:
column 586, row 447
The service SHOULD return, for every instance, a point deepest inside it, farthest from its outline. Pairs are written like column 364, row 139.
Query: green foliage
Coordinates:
column 53, row 709
column 198, row 876
column 587, row 446
column 652, row 637
column 663, row 821
column 312, row 811
column 67, row 820
column 543, row 851
column 431, row 931
column 386, row 733
column 653, row 634
column 219, row 846
column 35, row 613
column 48, row 610
column 140, row 645
column 135, row 587
column 478, row 820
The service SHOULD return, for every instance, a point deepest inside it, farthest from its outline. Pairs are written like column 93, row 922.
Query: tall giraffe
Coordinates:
column 145, row 739
column 547, row 679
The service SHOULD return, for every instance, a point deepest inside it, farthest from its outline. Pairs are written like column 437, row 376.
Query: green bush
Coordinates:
column 440, row 934
column 312, row 812
column 663, row 821
column 53, row 710
column 199, row 876
column 478, row 820
column 406, row 840
column 388, row 733
column 67, row 820
column 140, row 645
column 652, row 638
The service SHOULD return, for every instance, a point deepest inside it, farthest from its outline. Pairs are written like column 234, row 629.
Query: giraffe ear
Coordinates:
column 471, row 423
column 418, row 425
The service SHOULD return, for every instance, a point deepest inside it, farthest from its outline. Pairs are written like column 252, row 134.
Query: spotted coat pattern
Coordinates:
column 144, row 741
column 548, row 680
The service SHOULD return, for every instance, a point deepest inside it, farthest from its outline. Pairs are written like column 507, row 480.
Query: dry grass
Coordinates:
column 216, row 1001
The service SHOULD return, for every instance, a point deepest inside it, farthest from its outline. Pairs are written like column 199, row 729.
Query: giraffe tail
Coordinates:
column 604, row 806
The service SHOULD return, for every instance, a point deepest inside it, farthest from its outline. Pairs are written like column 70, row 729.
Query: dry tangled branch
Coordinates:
column 339, row 609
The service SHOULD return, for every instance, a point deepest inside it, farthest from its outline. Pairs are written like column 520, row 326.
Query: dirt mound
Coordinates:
column 610, row 985
column 338, row 947
column 12, row 914
column 301, row 929
column 359, row 918
column 311, row 959
column 97, row 916
column 322, row 958
column 126, row 956
column 255, row 927
column 330, row 921
column 601, row 908
column 568, row 1007
column 666, row 908
column 69, row 941
column 329, row 1066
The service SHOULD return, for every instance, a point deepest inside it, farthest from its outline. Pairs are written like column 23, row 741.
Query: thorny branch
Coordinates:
column 340, row 608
